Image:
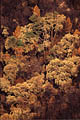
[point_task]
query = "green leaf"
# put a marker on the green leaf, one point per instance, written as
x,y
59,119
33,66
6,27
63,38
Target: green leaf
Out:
x,y
20,43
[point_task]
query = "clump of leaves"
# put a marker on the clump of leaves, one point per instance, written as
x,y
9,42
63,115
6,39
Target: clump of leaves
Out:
x,y
60,72
65,47
10,71
5,31
10,42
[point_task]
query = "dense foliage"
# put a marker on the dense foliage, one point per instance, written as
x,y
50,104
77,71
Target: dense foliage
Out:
x,y
40,68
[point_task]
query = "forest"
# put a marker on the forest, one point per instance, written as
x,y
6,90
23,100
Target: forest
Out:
x,y
40,60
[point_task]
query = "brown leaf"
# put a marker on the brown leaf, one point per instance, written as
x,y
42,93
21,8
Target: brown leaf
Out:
x,y
19,80
3,98
79,50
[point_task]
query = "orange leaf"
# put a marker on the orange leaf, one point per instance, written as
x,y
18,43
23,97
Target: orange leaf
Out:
x,y
77,32
19,51
17,31
7,56
36,10
68,25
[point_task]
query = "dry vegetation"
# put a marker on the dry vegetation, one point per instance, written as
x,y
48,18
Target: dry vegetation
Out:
x,y
40,60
